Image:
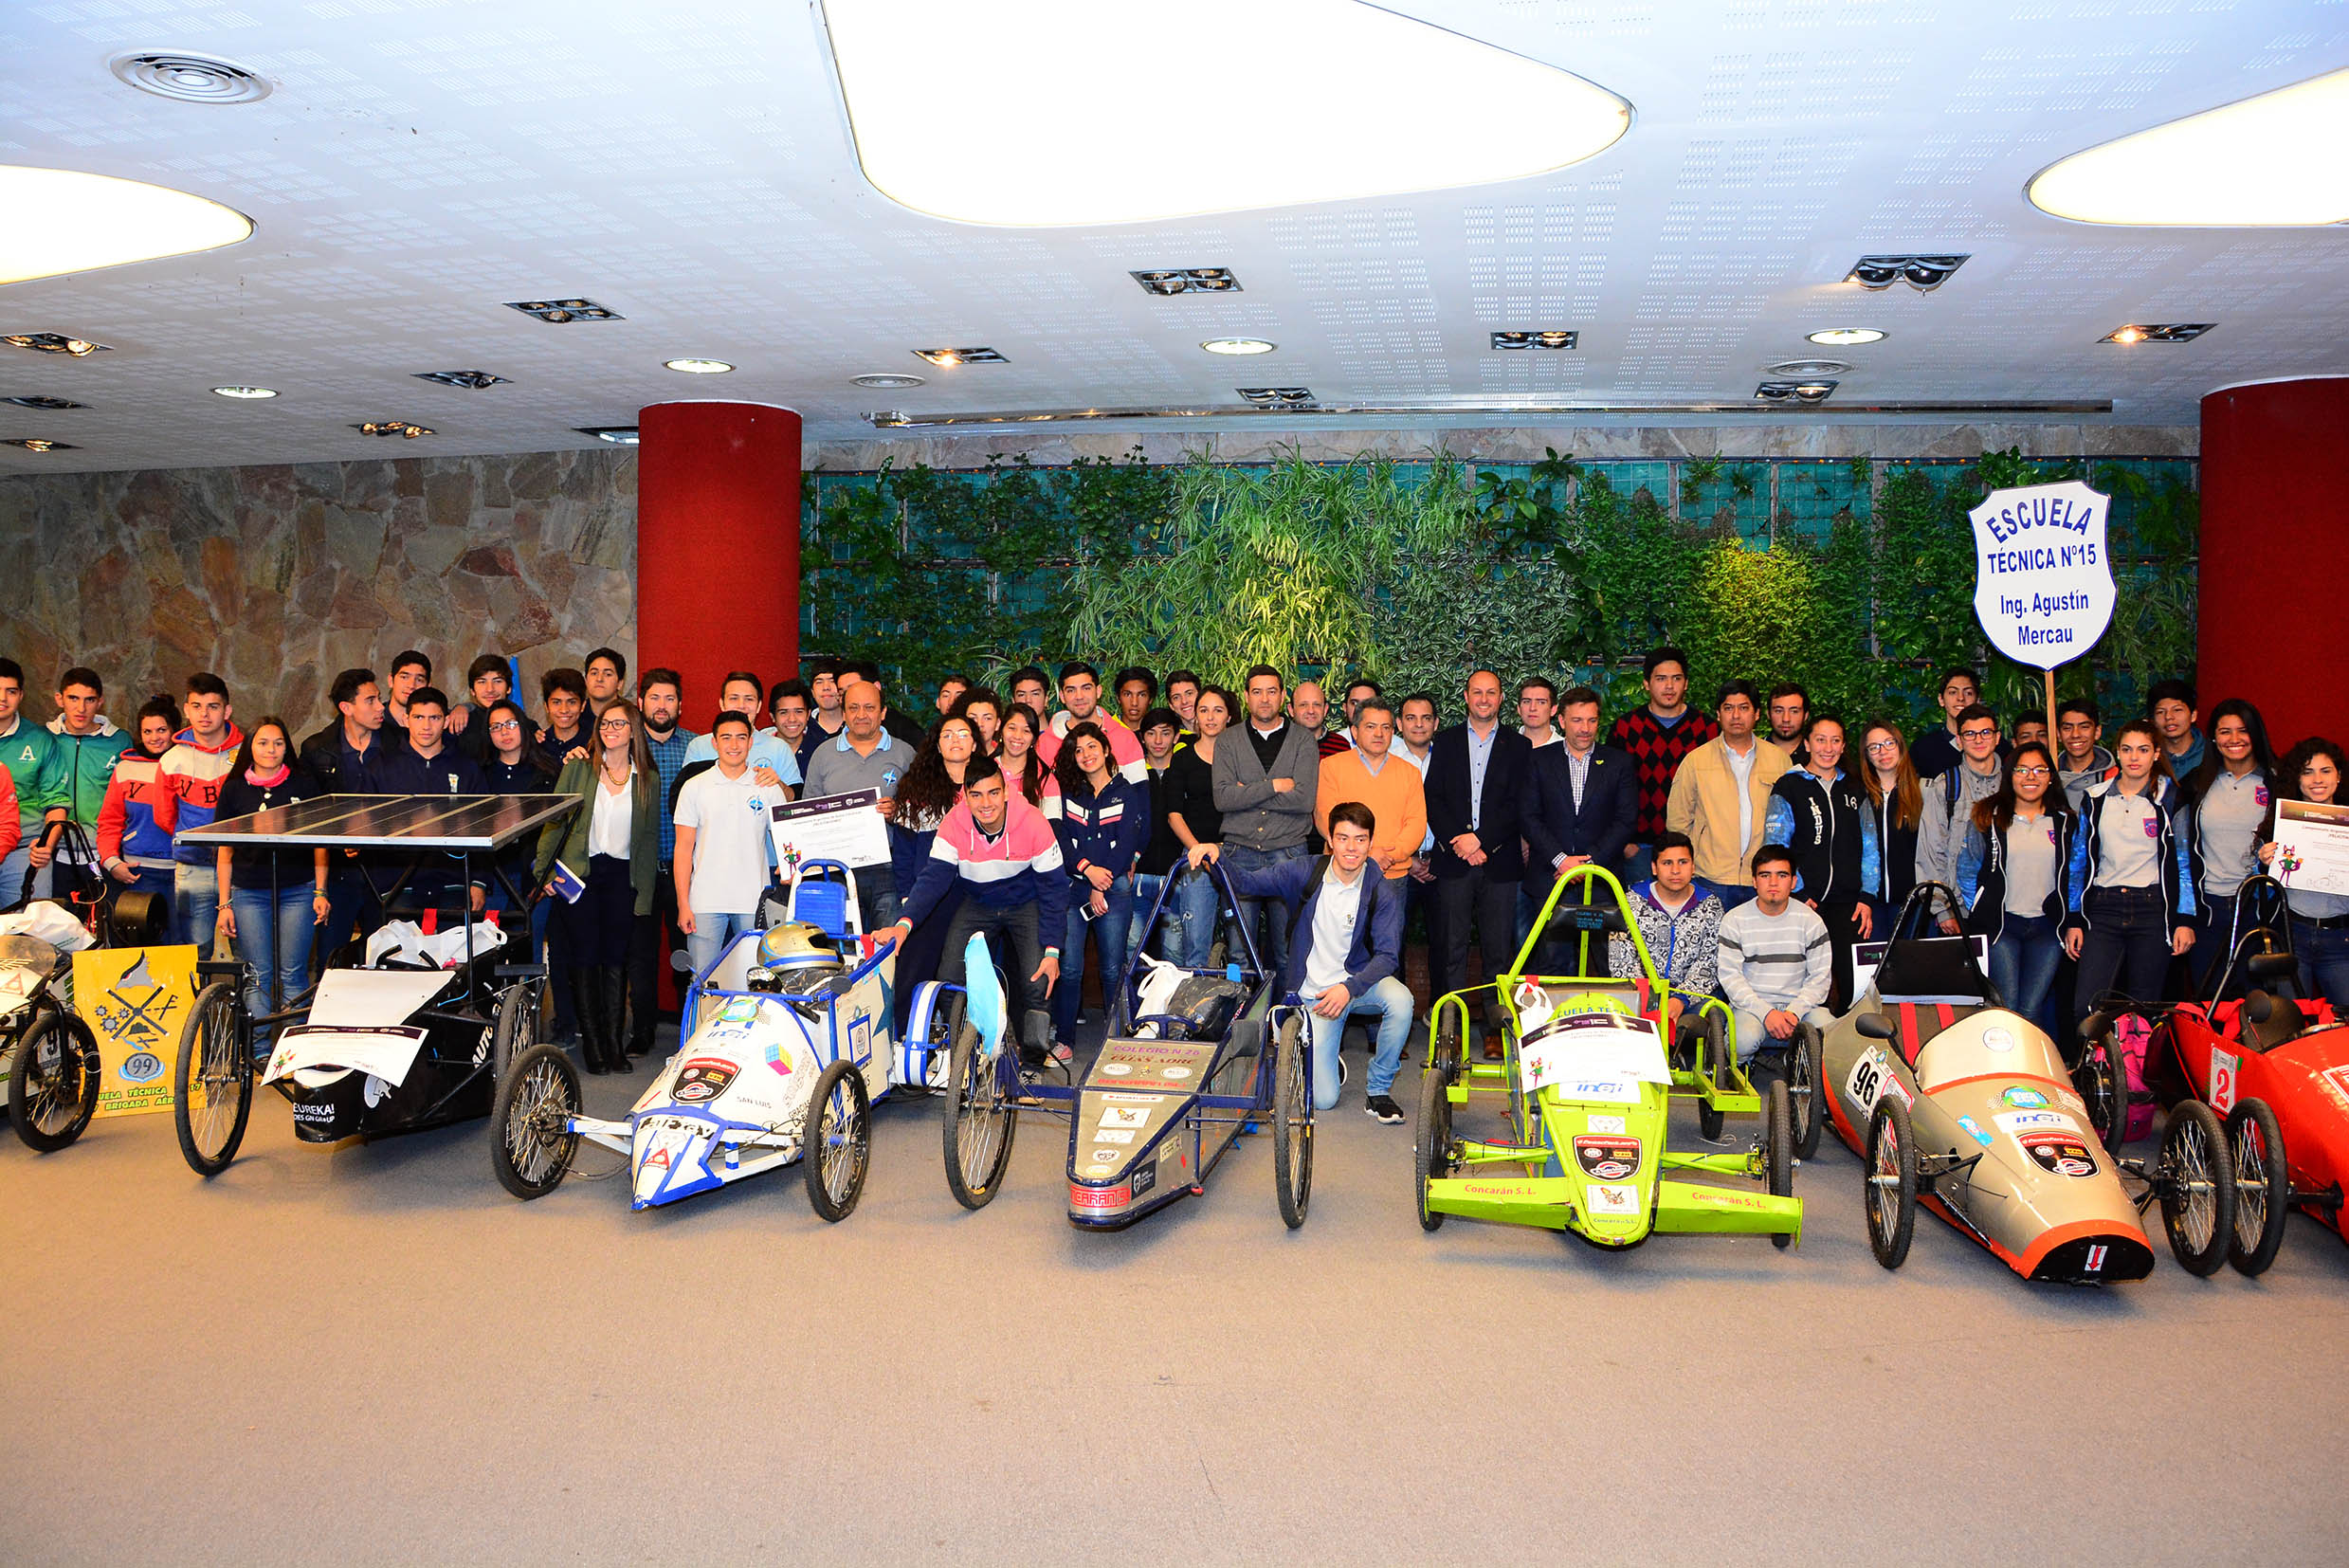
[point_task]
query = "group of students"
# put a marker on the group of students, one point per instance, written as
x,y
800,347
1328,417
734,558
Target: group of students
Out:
x,y
1757,849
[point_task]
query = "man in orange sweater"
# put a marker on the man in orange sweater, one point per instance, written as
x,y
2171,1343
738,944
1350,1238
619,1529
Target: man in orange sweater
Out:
x,y
1388,785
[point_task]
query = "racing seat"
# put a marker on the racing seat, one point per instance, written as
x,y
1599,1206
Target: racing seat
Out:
x,y
1928,984
2268,1021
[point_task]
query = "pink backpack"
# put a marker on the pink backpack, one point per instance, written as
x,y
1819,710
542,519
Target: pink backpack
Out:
x,y
2132,1036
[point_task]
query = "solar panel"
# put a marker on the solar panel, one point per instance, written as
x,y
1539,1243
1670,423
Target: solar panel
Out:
x,y
478,822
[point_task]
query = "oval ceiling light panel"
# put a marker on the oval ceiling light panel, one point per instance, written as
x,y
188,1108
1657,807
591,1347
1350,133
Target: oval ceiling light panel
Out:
x,y
67,221
2256,164
1051,113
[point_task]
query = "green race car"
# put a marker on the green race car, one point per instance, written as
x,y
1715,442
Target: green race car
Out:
x,y
1587,1084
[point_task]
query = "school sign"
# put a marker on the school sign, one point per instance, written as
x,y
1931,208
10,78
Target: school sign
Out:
x,y
2042,585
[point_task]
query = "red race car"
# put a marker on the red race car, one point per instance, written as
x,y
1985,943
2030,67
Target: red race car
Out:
x,y
2277,1069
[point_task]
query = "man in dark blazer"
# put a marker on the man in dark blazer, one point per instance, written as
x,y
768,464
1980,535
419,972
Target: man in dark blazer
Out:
x,y
1582,806
1476,778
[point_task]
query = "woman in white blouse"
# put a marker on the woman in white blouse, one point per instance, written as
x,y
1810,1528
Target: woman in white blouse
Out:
x,y
607,853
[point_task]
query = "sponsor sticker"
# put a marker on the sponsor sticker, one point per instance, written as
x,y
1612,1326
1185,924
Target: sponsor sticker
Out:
x,y
1099,1197
1607,1157
2019,1122
1116,1116
703,1080
1606,1124
2337,1079
1606,1199
1175,1075
2060,1154
1974,1130
1144,1179
1617,1091
1113,1097
140,1066
2025,1100
2096,1258
1995,1038
2225,1065
1116,1069
1113,1135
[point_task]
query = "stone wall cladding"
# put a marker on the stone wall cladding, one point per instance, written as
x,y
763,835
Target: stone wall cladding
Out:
x,y
277,577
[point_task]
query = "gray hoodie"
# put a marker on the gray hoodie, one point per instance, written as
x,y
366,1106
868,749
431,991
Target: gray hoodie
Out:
x,y
1943,826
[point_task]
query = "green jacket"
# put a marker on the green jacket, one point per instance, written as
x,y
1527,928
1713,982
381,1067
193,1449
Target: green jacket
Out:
x,y
567,840
37,764
89,768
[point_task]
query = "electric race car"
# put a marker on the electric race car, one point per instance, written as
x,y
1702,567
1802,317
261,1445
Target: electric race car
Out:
x,y
1587,1090
1957,1104
789,1040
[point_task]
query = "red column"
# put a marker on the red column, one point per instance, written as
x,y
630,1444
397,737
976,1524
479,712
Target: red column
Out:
x,y
716,545
2275,554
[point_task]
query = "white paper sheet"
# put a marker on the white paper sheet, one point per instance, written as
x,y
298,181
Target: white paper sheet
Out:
x,y
371,998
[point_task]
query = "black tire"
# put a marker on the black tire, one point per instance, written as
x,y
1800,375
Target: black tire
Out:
x,y
1779,1151
1889,1181
516,1032
531,1143
1806,1105
1714,1052
216,1058
2195,1178
836,1143
1292,1125
53,1081
2263,1185
980,1123
1444,1049
2103,1083
1431,1152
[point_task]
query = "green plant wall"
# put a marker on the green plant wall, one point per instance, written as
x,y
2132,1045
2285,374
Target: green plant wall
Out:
x,y
1851,576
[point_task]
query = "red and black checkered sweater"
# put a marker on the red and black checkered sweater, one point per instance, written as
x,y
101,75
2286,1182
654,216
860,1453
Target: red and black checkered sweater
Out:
x,y
1656,750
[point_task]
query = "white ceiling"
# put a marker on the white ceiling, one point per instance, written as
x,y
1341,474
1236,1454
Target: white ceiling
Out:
x,y
422,162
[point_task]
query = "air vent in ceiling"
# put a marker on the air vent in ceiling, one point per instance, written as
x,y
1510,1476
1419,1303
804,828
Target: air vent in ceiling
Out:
x,y
1807,370
560,311
1795,391
190,77
1188,280
1276,397
1923,273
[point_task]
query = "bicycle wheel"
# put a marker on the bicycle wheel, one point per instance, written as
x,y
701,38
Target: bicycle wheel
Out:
x,y
979,1124
517,1030
2196,1181
1804,1055
1890,1175
1779,1152
1431,1154
531,1143
2263,1186
1292,1126
838,1145
216,1065
53,1081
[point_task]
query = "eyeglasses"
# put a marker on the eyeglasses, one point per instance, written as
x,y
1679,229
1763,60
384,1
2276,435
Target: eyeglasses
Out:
x,y
2031,772
1883,746
503,724
1977,735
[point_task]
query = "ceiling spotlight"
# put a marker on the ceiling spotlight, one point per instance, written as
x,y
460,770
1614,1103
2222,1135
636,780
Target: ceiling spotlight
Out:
x,y
37,444
559,311
1795,392
47,405
889,381
405,429
698,367
1844,338
190,77
946,358
1555,339
470,380
1276,397
1923,273
619,435
1189,280
243,391
2240,165
52,343
1238,345
2157,332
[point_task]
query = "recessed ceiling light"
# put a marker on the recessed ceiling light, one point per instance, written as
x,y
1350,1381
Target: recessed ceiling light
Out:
x,y
1809,390
1238,345
2254,164
946,358
1922,273
698,367
561,311
1553,338
886,380
470,380
190,77
619,435
1188,280
243,391
47,405
407,430
55,342
1424,107
1844,338
38,443
2157,332
1812,370
67,221
1276,397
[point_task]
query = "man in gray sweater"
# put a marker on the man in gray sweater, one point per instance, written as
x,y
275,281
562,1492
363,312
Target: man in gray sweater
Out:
x,y
1775,959
1264,786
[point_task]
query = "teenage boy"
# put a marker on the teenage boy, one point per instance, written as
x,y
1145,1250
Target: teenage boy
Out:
x,y
2080,760
1136,690
607,671
486,682
1681,925
949,691
565,732
1720,795
200,757
1656,736
824,685
1951,796
722,844
660,696
1790,717
1159,727
36,767
1345,948
1182,695
2172,714
346,756
1775,958
1935,749
1477,779
1032,689
775,763
1005,857
1265,786
792,707
1081,696
1536,711
92,746
429,765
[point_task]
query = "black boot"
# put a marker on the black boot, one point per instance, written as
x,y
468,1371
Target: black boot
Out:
x,y
586,1002
613,982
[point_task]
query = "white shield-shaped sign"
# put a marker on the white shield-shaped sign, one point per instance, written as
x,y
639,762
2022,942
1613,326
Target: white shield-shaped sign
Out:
x,y
2042,579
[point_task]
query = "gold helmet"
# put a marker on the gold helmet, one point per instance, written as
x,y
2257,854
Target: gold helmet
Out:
x,y
797,947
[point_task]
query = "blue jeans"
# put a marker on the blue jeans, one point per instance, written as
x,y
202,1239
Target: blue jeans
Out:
x,y
2324,963
195,906
712,933
1730,895
1107,932
1754,1034
1639,865
15,870
1146,887
2216,940
2127,947
1271,932
1193,937
1390,1002
275,945
2022,963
